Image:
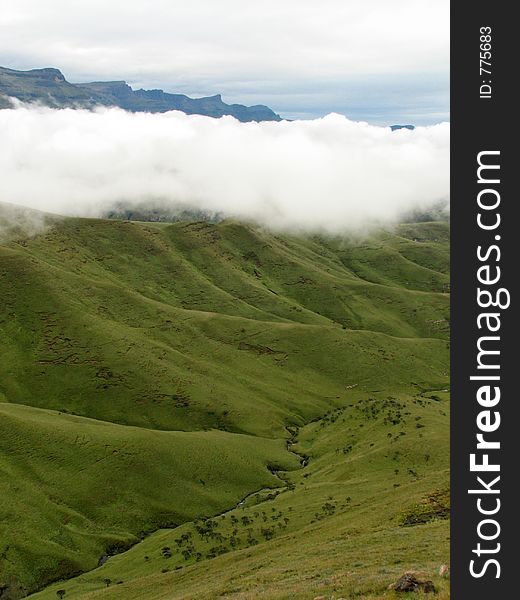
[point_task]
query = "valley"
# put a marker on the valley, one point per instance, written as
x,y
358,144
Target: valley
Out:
x,y
205,410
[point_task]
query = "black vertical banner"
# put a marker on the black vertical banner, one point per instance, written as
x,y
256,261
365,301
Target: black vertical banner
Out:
x,y
485,429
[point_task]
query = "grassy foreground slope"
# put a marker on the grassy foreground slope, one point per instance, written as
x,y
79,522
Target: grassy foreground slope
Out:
x,y
366,508
152,374
74,487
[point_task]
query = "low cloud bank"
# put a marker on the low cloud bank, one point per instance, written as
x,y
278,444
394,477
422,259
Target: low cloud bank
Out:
x,y
329,174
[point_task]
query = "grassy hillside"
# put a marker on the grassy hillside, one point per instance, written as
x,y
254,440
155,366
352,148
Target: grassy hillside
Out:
x,y
75,486
152,375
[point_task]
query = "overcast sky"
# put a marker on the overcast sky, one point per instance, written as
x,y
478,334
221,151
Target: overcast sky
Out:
x,y
383,61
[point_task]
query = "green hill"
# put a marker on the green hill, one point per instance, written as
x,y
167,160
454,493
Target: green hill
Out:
x,y
153,375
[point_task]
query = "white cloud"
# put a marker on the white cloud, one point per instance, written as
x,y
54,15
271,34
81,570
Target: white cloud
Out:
x,y
327,174
203,46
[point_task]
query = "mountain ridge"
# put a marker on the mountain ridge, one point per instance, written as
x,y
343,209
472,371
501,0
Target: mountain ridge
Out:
x,y
50,87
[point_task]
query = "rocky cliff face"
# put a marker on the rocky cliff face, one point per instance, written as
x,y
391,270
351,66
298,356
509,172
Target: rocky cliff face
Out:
x,y
49,87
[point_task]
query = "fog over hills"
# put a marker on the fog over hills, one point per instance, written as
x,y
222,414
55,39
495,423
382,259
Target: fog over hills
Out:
x,y
225,300
328,174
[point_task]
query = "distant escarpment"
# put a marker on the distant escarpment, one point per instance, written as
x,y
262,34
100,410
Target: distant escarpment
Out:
x,y
50,88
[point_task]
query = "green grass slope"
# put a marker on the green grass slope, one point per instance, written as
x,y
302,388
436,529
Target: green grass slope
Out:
x,y
76,486
366,508
152,375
